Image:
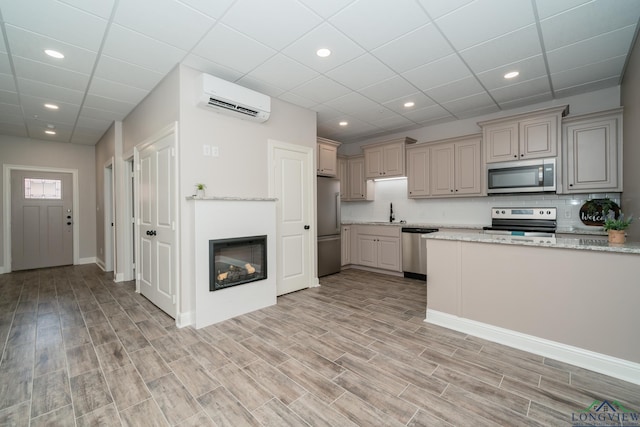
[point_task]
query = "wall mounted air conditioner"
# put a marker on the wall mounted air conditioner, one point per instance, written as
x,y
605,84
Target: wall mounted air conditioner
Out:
x,y
234,100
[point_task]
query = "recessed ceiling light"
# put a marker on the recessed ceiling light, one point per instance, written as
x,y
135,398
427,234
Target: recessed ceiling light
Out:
x,y
409,104
323,53
50,132
54,53
51,106
343,123
511,74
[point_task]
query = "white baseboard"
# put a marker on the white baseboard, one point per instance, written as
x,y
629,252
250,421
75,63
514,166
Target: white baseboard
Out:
x,y
602,363
2,270
315,283
185,319
88,260
377,270
101,264
119,277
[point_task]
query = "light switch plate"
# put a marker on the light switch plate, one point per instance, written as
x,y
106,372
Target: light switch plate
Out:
x,y
206,150
215,152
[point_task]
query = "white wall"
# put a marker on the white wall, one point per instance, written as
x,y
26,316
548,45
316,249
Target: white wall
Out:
x,y
105,151
32,152
631,178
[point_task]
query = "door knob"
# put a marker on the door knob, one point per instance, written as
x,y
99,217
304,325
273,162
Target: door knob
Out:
x,y
69,223
306,227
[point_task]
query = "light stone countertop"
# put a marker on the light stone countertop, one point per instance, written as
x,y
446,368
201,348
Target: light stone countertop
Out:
x,y
414,224
600,245
232,199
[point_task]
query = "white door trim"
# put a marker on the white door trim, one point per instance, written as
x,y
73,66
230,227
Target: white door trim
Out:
x,y
167,130
109,216
272,145
6,210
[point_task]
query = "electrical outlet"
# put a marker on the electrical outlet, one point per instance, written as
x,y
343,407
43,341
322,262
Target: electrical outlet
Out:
x,y
215,152
206,150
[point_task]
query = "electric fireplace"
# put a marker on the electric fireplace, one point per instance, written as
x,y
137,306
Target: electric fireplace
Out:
x,y
236,261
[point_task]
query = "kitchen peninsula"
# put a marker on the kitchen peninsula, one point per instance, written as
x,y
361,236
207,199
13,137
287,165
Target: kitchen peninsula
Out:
x,y
573,300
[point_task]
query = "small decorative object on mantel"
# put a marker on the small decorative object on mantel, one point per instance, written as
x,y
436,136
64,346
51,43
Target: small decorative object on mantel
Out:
x,y
594,211
200,190
615,226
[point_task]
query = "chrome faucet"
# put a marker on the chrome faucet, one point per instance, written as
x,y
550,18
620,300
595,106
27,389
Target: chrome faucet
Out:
x,y
392,217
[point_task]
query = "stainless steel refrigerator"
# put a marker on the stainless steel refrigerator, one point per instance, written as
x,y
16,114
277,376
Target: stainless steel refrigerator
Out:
x,y
328,226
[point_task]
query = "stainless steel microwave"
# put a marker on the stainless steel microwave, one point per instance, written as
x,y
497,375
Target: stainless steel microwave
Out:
x,y
522,176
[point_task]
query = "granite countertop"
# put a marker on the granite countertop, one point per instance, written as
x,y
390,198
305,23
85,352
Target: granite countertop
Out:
x,y
600,245
414,224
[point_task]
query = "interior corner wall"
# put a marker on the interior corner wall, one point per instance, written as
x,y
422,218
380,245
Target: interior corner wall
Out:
x,y
105,151
241,169
37,153
631,133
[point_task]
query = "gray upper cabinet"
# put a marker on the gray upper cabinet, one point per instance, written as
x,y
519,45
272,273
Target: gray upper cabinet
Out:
x,y
327,157
386,159
524,136
592,152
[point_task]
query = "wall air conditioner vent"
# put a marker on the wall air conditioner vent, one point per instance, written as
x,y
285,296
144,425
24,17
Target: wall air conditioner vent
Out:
x,y
231,99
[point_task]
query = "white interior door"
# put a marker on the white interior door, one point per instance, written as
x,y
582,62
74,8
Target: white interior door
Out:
x,y
41,219
292,186
157,273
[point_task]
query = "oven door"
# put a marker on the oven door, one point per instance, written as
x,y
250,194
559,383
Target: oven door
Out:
x,y
526,176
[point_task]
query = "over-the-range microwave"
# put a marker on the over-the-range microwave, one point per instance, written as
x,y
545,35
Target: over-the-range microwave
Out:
x,y
521,176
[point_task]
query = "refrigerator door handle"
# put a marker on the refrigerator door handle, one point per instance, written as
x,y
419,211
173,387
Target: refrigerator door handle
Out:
x,y
337,212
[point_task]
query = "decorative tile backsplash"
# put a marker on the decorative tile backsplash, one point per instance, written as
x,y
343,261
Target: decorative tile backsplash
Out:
x,y
460,211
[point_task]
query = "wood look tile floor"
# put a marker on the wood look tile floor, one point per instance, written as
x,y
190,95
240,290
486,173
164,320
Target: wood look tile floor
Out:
x,y
78,349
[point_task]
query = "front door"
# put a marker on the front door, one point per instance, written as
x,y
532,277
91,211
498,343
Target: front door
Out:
x,y
157,195
41,219
293,188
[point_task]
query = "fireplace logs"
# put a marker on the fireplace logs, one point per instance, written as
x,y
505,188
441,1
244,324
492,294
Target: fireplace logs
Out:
x,y
236,274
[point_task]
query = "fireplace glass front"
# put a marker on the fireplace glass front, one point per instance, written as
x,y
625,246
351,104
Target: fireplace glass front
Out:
x,y
237,261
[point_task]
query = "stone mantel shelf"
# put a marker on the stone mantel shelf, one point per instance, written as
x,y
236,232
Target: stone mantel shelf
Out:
x,y
232,199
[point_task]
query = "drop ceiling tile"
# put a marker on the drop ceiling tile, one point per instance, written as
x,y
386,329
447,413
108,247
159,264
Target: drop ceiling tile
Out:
x,y
430,113
529,69
260,86
361,72
113,90
88,124
36,129
436,9
100,115
328,114
326,8
535,99
592,50
520,44
342,48
7,83
107,104
372,24
297,100
276,23
213,9
522,89
13,129
138,49
477,112
569,27
372,115
29,45
126,73
455,90
352,102
222,45
588,87
34,106
10,111
437,73
395,121
33,70
390,89
201,64
3,48
610,68
52,92
283,72
5,66
164,20
57,20
8,97
547,8
473,102
101,8
321,89
484,20
418,98
426,45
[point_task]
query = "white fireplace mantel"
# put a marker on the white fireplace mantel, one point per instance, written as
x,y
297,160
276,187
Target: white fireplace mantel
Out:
x,y
224,218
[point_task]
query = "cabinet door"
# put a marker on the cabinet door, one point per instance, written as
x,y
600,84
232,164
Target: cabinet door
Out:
x,y
343,176
389,253
442,170
393,160
327,160
501,142
539,137
592,155
418,172
357,187
346,245
367,250
373,162
468,173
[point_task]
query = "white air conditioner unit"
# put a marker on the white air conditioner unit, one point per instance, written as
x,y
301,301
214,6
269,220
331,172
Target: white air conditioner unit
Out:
x,y
234,100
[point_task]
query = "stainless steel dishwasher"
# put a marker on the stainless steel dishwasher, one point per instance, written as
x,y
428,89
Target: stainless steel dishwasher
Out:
x,y
414,252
